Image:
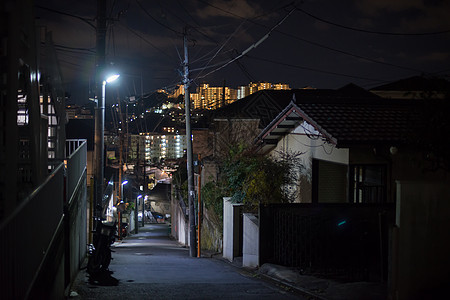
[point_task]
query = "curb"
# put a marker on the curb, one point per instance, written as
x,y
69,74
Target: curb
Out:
x,y
296,289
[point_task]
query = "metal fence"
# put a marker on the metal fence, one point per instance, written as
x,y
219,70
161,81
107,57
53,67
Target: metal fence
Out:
x,y
47,226
28,234
76,151
75,208
341,241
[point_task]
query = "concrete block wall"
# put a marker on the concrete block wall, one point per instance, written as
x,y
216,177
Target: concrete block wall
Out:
x,y
250,251
232,229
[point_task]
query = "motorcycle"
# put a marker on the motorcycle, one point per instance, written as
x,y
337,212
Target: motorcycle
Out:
x,y
100,252
124,229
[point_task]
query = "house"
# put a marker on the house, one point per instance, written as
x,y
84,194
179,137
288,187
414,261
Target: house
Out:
x,y
363,158
365,140
415,87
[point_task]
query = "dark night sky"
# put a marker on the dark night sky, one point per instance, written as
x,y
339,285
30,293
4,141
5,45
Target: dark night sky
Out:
x,y
323,44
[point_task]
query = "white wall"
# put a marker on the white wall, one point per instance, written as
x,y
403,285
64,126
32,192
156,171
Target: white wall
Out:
x,y
304,139
250,251
231,229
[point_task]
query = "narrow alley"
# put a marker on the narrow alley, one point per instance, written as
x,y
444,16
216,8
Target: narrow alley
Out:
x,y
149,265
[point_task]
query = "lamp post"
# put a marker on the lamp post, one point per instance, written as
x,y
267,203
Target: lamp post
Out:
x,y
121,204
136,214
121,194
99,145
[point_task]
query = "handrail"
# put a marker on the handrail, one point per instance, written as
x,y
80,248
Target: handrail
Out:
x,y
25,201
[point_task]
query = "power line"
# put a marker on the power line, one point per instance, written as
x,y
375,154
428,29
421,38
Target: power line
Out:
x,y
87,21
221,47
370,31
249,48
311,69
72,49
316,44
154,19
145,40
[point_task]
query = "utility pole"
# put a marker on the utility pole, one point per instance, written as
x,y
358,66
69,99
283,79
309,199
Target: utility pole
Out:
x,y
100,107
199,207
145,163
190,171
136,207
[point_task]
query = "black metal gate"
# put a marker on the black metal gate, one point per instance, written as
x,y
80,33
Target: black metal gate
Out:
x,y
342,241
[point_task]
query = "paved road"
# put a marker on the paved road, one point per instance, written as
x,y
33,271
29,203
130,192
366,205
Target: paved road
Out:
x,y
150,265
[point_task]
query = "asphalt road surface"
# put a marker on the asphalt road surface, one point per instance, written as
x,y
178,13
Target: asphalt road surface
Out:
x,y
150,265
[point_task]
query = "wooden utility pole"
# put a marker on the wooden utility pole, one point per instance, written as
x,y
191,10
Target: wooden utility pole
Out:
x,y
199,206
190,171
100,108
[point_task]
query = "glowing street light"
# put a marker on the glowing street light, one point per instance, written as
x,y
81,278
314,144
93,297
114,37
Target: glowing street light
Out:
x,y
112,78
121,194
99,144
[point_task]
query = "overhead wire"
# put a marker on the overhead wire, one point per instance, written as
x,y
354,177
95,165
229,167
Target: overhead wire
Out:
x,y
221,47
243,53
156,20
85,20
315,43
312,69
145,40
371,31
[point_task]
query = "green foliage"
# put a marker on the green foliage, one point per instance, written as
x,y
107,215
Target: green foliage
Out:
x,y
129,207
212,196
252,179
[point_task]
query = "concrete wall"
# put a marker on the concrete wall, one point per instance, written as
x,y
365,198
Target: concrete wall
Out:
x,y
211,231
421,243
300,141
250,248
232,229
179,222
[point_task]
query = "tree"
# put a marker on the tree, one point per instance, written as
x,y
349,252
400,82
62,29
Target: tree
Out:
x,y
253,179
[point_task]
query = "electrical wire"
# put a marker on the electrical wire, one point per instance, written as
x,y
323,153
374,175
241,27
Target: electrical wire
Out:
x,y
251,47
73,49
316,44
154,19
145,40
221,47
370,31
313,69
87,21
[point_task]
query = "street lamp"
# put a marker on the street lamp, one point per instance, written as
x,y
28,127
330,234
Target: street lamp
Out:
x,y
121,194
136,214
99,145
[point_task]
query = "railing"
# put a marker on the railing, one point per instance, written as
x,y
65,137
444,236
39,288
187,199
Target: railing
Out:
x,y
33,236
28,234
76,151
75,207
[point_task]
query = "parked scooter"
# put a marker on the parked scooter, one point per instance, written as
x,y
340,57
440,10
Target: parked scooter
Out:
x,y
100,252
124,229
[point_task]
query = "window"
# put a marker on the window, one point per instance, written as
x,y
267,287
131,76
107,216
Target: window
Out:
x,y
329,183
368,183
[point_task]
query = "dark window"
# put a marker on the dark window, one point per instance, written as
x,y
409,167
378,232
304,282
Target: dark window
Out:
x,y
367,183
329,182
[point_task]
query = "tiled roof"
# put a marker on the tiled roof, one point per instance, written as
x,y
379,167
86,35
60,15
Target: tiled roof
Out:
x,y
365,123
416,83
346,122
267,104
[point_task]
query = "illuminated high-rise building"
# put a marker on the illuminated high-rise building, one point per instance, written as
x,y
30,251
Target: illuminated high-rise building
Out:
x,y
245,90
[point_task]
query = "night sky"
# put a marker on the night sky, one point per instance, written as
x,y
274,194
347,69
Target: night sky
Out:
x,y
322,44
